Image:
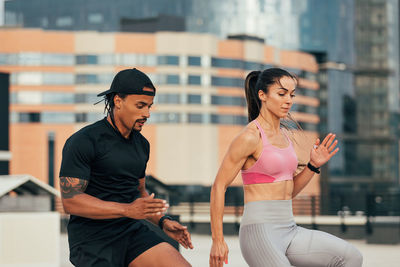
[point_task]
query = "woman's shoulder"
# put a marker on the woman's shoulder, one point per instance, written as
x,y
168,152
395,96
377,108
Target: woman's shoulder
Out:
x,y
249,135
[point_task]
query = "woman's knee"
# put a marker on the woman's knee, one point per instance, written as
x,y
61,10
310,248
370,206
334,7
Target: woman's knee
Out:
x,y
353,257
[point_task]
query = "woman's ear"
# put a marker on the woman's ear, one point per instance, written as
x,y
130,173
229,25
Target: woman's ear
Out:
x,y
262,95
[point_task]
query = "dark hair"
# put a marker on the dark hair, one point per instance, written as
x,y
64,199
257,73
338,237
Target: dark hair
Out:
x,y
262,80
109,104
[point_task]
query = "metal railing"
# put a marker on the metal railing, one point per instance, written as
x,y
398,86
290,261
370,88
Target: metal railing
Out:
x,y
308,206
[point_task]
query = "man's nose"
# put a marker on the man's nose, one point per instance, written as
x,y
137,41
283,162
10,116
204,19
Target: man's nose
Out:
x,y
147,113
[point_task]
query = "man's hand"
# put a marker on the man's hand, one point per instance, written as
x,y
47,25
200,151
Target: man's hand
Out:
x,y
178,232
146,207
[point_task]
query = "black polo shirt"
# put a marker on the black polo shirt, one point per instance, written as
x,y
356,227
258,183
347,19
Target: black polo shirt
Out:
x,y
113,166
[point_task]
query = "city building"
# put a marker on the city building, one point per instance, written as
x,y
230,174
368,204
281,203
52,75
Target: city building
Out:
x,y
5,154
356,44
199,106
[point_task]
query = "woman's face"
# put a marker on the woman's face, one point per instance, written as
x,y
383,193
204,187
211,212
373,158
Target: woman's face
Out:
x,y
279,98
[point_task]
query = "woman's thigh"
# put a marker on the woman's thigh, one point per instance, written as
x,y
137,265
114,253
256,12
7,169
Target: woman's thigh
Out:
x,y
262,247
316,248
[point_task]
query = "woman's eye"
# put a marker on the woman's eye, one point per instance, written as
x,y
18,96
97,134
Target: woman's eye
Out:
x,y
293,96
282,94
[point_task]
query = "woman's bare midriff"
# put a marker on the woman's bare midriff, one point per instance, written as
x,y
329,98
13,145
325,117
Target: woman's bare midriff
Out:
x,y
268,191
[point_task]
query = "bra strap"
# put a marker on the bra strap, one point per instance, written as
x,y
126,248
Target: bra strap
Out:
x,y
263,137
287,137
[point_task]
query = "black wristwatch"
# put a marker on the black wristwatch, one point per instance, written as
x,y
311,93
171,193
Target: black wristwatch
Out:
x,y
313,168
160,222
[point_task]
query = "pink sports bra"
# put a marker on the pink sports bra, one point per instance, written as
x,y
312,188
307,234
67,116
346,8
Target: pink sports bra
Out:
x,y
274,165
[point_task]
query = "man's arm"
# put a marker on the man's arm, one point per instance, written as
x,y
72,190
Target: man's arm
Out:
x,y
143,193
76,202
171,228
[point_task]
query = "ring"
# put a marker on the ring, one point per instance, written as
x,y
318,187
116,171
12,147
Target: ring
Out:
x,y
315,146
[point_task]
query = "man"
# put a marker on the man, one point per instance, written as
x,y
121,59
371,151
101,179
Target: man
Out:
x,y
102,181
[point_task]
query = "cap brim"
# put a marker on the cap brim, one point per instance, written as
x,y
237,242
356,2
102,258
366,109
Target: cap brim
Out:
x,y
105,92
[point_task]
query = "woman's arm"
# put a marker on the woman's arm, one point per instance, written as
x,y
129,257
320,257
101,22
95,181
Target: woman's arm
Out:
x,y
320,154
241,148
301,180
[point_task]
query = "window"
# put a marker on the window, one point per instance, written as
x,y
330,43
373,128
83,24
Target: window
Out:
x,y
136,60
95,18
168,60
5,59
26,78
165,118
93,116
227,81
58,59
86,59
227,63
64,21
248,65
13,98
106,59
194,61
57,78
57,98
81,117
86,79
29,97
57,117
86,98
172,79
228,119
168,98
29,59
194,80
195,118
228,101
29,117
194,99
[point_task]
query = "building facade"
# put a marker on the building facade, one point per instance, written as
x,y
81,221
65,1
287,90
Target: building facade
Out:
x,y
199,107
5,154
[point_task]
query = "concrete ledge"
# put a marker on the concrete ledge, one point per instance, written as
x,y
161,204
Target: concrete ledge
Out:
x,y
29,239
384,230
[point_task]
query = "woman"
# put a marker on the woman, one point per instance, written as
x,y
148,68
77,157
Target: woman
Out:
x,y
265,155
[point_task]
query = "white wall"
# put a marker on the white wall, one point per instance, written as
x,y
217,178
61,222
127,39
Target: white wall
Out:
x,y
29,239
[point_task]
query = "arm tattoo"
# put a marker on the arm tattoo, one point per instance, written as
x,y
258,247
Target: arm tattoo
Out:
x,y
70,186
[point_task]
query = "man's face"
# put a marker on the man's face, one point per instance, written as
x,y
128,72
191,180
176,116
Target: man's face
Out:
x,y
133,110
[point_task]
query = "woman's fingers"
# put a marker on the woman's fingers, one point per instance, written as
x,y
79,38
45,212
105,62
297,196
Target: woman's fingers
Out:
x,y
332,147
326,140
330,140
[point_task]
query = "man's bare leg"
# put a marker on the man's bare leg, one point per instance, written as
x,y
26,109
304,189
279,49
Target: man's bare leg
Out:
x,y
161,255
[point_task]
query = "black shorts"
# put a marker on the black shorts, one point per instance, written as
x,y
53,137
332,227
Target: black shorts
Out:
x,y
117,251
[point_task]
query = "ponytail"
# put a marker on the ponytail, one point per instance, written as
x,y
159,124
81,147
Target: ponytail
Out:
x,y
253,101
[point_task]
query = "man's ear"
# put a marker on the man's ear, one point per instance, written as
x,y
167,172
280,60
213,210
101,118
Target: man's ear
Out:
x,y
117,101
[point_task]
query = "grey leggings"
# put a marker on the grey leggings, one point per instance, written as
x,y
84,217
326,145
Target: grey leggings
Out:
x,y
270,237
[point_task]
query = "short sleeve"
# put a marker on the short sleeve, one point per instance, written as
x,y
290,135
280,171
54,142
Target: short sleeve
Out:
x,y
146,145
77,155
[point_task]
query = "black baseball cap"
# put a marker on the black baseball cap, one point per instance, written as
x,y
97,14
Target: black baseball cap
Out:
x,y
131,82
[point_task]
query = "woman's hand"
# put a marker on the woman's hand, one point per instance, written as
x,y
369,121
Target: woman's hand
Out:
x,y
322,152
219,253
